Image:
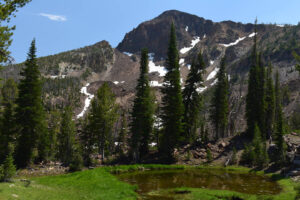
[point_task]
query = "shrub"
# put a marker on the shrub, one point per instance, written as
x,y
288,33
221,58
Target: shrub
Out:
x,y
209,155
76,163
7,169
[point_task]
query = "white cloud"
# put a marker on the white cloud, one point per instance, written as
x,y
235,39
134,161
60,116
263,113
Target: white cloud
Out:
x,y
59,18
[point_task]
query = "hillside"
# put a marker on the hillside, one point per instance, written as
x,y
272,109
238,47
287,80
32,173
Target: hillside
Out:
x,y
68,72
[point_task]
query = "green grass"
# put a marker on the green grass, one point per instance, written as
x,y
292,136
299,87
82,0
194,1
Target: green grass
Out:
x,y
91,184
100,184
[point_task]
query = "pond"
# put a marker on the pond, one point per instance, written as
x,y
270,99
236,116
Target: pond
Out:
x,y
219,179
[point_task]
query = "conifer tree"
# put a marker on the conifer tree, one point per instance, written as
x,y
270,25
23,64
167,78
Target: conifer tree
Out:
x,y
253,87
173,109
261,105
192,99
102,117
66,137
279,125
122,135
8,169
270,103
255,100
30,115
220,106
277,97
8,8
259,148
142,112
54,120
87,141
8,124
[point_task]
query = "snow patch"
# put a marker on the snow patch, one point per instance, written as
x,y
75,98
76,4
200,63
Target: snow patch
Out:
x,y
252,35
195,41
87,101
211,62
280,25
189,67
60,76
181,61
155,84
212,74
204,36
153,144
116,82
157,68
128,54
201,89
214,83
186,28
157,122
234,43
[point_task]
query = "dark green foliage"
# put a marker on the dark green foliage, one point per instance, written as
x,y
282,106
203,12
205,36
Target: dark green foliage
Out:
x,y
9,91
61,92
7,169
209,157
122,136
173,109
8,8
30,115
101,120
233,160
277,97
260,117
192,99
255,100
220,105
270,103
252,96
87,139
66,138
8,124
203,134
54,120
279,132
142,113
297,57
76,162
255,154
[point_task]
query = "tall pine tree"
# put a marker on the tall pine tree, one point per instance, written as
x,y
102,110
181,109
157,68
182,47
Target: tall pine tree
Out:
x,y
142,112
279,125
30,114
220,106
192,99
8,124
102,118
270,103
261,106
255,100
253,87
66,138
122,136
173,109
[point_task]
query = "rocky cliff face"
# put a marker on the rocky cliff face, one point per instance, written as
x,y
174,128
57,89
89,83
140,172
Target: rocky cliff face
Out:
x,y
100,62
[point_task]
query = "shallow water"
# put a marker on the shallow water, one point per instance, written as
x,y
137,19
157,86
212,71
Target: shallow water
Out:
x,y
149,181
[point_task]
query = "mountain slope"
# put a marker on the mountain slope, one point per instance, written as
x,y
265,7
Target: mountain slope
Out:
x,y
66,73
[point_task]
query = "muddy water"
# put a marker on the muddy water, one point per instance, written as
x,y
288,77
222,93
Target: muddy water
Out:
x,y
149,181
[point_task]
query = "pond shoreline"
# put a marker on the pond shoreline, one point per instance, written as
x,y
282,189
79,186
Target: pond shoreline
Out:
x,y
101,183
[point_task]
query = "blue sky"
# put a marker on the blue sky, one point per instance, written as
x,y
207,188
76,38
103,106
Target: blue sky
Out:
x,y
60,25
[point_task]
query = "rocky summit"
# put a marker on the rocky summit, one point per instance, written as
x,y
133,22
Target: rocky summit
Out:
x,y
74,76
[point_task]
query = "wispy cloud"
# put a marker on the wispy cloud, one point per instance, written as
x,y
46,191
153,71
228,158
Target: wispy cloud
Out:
x,y
52,17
